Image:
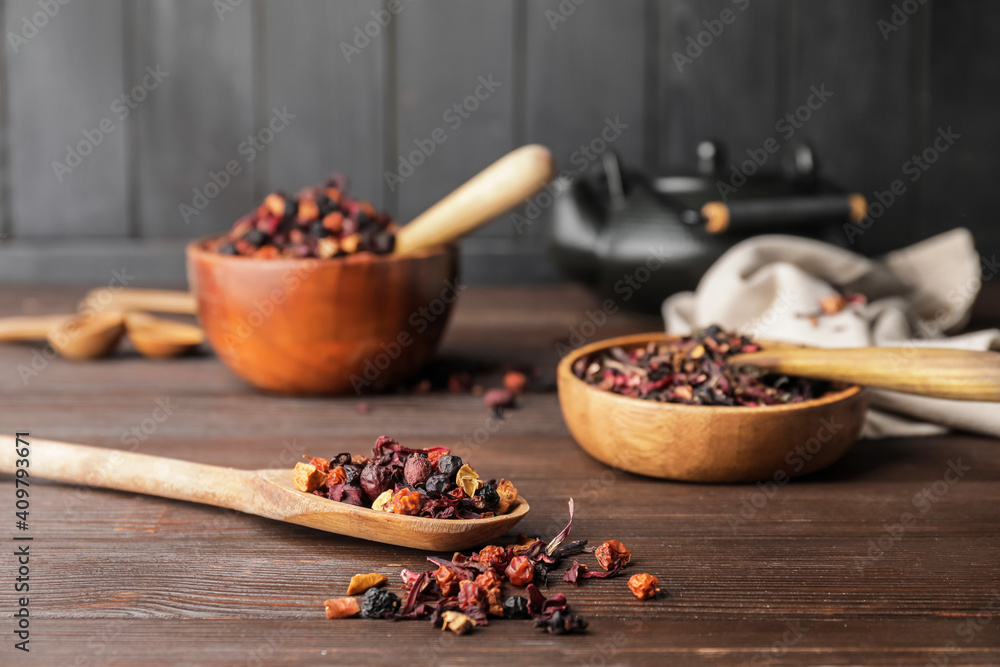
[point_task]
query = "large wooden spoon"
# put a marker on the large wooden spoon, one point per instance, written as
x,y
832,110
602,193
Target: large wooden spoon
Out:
x,y
88,336
964,375
159,338
495,190
134,298
266,493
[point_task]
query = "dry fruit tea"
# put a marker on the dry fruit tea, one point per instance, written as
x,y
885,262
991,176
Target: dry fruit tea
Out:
x,y
418,482
320,221
693,370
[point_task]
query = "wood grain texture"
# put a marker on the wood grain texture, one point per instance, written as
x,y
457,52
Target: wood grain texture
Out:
x,y
339,99
445,52
195,121
79,55
123,578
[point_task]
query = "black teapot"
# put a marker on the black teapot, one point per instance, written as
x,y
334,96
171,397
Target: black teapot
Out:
x,y
638,239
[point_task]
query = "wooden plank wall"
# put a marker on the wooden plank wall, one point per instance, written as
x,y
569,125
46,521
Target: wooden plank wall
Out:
x,y
563,70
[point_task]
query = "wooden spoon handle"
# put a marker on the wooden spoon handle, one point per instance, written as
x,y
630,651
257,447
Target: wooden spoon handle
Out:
x,y
495,190
126,471
964,375
156,300
30,327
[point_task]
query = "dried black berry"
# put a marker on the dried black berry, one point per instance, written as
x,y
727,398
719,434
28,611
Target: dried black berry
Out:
x,y
515,607
318,230
375,480
340,460
449,465
490,495
561,623
378,603
255,237
437,484
227,249
352,474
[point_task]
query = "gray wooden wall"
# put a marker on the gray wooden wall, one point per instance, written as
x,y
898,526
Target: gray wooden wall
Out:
x,y
561,75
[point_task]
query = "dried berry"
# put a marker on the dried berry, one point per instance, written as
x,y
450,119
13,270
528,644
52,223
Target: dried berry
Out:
x,y
561,623
342,608
362,582
449,466
489,495
515,607
437,483
644,586
375,480
498,398
341,459
447,580
378,603
352,474
417,470
494,557
613,554
515,382
471,594
336,476
489,580
405,501
693,370
345,493
520,571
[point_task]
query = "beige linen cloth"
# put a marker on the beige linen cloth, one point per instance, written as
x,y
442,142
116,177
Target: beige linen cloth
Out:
x,y
768,286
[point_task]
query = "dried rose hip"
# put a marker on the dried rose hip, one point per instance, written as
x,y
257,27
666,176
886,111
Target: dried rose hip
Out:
x,y
447,580
417,470
520,571
405,501
515,382
644,586
613,554
493,556
471,594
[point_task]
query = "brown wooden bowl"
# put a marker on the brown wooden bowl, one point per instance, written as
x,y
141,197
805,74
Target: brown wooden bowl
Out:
x,y
323,326
706,443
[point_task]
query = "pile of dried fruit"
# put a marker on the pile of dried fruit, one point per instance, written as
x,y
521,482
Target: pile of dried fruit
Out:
x,y
418,482
318,222
466,591
693,370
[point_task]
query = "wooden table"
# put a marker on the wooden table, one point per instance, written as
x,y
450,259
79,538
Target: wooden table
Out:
x,y
751,575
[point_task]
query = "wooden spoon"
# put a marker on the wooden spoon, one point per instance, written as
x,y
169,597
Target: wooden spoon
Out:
x,y
266,493
500,187
30,327
159,338
88,336
130,298
964,375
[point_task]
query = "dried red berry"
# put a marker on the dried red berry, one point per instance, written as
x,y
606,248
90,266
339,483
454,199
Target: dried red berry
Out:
x,y
611,553
471,594
447,580
520,571
417,470
644,586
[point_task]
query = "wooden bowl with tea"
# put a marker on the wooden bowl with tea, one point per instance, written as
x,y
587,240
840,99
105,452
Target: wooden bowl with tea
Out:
x,y
798,409
358,309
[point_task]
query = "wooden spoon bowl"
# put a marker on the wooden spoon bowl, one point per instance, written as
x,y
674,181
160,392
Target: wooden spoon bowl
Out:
x,y
89,336
319,326
706,443
266,493
159,338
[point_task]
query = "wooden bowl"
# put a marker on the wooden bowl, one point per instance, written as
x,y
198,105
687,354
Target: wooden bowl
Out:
x,y
706,443
323,326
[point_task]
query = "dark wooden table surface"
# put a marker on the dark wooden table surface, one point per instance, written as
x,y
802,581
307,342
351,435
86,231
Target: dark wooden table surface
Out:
x,y
749,577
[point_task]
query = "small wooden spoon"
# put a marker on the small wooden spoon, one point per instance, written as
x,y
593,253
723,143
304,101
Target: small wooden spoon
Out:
x,y
964,375
131,298
159,338
88,336
30,327
266,493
